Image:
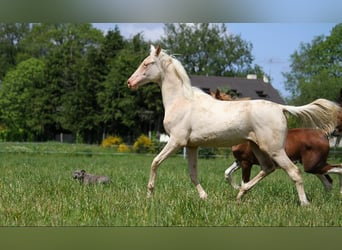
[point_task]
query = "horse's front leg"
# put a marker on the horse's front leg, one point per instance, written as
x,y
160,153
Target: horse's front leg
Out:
x,y
169,149
192,162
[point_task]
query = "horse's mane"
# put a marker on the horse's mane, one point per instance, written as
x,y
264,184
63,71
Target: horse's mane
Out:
x,y
183,76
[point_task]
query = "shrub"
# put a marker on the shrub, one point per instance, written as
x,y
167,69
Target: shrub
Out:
x,y
14,134
111,141
123,148
143,145
206,153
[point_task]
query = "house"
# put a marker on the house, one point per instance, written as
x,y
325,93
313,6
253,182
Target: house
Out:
x,y
250,86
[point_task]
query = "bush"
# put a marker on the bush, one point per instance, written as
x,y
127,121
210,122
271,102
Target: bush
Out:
x,y
143,145
206,153
16,134
111,141
123,148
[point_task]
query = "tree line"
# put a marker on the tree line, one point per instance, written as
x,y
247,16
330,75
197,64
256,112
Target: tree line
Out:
x,y
316,69
71,78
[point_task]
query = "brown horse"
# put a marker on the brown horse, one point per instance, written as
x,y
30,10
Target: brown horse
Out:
x,y
226,97
308,146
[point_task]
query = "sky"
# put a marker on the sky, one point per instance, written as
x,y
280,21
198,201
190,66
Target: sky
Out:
x,y
273,43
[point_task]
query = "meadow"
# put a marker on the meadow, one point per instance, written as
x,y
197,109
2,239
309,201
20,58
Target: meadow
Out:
x,y
37,189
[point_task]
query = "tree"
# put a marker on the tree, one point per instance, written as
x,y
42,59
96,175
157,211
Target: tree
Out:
x,y
121,106
11,35
112,44
70,78
207,49
75,77
24,103
316,69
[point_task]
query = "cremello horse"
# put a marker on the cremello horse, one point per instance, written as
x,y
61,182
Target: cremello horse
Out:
x,y
193,118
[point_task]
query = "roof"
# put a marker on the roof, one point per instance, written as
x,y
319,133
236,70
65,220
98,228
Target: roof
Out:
x,y
243,87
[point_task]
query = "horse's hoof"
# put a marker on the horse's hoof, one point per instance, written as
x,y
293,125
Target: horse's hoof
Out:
x,y
238,201
149,194
305,203
204,196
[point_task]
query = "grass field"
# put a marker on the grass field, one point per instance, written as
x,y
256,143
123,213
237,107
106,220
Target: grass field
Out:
x,y
37,189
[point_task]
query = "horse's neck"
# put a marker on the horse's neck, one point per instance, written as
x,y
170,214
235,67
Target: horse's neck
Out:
x,y
172,90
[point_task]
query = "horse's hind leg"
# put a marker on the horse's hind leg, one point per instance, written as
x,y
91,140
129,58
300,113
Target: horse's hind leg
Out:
x,y
170,148
336,169
326,181
285,163
247,186
192,162
267,167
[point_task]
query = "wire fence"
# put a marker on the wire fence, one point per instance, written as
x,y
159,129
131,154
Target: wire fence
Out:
x,y
67,149
96,150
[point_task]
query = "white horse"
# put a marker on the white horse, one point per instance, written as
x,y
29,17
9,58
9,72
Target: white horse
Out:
x,y
193,118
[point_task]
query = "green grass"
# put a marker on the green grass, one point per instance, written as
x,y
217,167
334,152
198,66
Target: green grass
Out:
x,y
37,189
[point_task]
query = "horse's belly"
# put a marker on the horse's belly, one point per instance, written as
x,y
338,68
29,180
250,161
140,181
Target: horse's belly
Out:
x,y
216,139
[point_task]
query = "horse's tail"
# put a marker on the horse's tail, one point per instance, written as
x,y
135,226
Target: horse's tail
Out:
x,y
321,113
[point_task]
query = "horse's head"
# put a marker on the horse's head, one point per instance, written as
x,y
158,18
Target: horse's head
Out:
x,y
338,128
148,71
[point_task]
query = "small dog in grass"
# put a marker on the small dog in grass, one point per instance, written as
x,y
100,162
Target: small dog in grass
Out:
x,y
86,178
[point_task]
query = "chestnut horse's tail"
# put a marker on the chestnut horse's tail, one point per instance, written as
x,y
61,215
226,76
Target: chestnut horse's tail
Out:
x,y
321,114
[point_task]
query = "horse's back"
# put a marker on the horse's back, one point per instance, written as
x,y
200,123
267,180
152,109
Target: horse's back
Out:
x,y
219,123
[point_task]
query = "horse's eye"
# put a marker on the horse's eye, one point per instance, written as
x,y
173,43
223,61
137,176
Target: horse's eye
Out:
x,y
147,64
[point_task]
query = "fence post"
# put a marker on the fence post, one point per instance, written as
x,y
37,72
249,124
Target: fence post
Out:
x,y
184,152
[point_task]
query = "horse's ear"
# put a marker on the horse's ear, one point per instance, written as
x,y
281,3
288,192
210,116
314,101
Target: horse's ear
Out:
x,y
152,49
158,50
217,94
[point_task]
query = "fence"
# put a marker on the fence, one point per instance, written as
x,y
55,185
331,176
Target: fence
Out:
x,y
93,150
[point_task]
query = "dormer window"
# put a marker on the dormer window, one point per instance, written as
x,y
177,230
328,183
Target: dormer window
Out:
x,y
261,93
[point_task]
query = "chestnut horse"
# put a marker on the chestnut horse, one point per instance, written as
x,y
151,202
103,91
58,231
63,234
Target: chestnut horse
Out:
x,y
308,146
226,97
193,118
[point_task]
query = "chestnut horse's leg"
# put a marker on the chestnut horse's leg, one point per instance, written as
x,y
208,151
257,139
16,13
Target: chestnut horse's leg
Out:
x,y
170,148
246,170
247,186
229,172
336,169
267,167
192,162
325,181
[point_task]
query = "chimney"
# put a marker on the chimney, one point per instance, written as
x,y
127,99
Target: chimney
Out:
x,y
252,76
